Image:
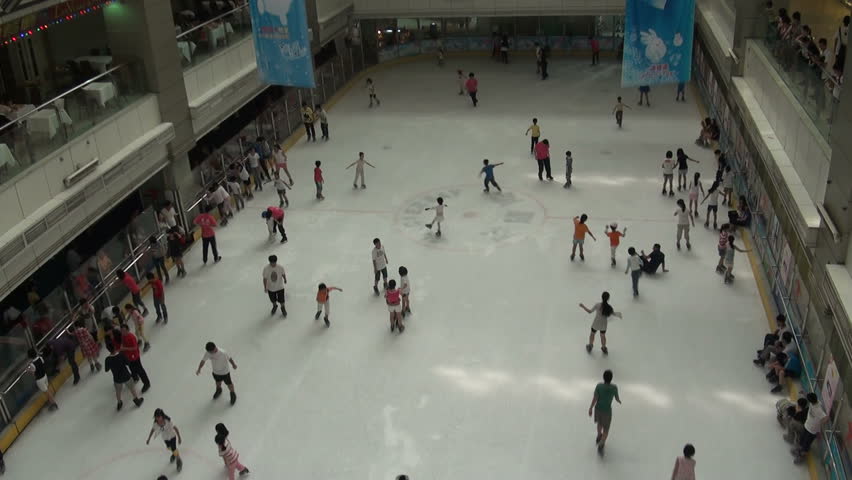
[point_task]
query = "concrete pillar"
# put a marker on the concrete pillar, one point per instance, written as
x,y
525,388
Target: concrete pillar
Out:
x,y
144,31
750,21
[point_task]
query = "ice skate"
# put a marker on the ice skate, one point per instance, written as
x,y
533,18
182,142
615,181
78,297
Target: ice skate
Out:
x,y
316,317
589,348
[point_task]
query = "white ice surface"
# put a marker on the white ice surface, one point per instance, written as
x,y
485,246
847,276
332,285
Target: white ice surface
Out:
x,y
490,379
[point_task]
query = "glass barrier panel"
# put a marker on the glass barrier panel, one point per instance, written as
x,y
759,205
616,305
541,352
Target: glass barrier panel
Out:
x,y
48,313
19,394
200,41
30,133
13,349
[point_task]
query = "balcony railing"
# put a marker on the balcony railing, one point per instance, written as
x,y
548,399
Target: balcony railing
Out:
x,y
30,133
202,41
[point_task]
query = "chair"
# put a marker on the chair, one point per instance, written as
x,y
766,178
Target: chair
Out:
x,y
64,118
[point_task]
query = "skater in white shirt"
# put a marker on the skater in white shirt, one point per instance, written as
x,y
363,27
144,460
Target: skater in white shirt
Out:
x,y
359,170
439,216
380,265
170,434
405,290
220,361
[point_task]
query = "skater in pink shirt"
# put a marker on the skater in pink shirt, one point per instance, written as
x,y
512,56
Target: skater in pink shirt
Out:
x,y
472,86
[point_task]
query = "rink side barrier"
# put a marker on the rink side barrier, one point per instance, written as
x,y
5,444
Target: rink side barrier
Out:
x,y
762,283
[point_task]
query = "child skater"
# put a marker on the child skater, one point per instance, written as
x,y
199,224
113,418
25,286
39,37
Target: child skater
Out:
x,y
439,215
668,173
488,170
359,170
722,247
170,434
138,324
318,180
460,79
394,301
324,302
602,311
281,187
683,168
536,133
159,294
229,455
569,169
371,89
684,467
618,110
694,190
580,231
684,218
727,185
614,238
236,192
712,205
729,259
405,289
88,346
280,157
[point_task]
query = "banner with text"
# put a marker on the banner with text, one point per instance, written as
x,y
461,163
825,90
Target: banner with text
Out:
x,y
657,42
282,42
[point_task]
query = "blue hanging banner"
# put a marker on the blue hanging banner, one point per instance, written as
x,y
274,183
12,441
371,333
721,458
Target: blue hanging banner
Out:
x,y
282,42
657,42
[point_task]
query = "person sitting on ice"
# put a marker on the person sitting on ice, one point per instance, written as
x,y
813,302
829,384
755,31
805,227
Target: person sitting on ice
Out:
x,y
653,261
784,366
741,217
771,340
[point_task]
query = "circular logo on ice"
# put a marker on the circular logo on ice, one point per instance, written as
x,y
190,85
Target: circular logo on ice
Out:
x,y
473,220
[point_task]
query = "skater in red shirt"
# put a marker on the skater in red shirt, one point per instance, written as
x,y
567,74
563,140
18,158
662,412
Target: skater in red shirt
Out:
x,y
130,350
131,285
472,86
318,180
542,156
208,235
159,297
275,221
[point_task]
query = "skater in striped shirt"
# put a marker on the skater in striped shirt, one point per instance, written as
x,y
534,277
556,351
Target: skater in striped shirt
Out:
x,y
229,455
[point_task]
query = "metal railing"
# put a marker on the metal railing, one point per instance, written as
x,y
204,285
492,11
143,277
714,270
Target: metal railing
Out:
x,y
225,27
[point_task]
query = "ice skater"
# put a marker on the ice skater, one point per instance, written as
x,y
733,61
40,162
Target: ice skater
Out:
x,y
634,268
133,287
129,345
280,157
729,258
308,118
359,170
39,371
681,92
158,257
472,86
322,116
618,111
371,90
488,171
380,266
219,361
405,289
644,92
88,346
228,453
175,242
236,192
602,310
116,363
722,247
601,407
569,169
169,432
318,180
461,81
281,188
712,204
615,237
159,293
684,219
138,320
683,168
394,301
324,302
439,215
684,467
274,281
274,217
542,157
695,189
536,133
727,185
208,235
580,231
668,173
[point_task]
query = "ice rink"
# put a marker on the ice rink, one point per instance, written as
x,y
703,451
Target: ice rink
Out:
x,y
490,379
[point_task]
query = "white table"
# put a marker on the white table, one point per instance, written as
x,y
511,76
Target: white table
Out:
x,y
218,32
186,50
44,122
6,157
101,92
98,62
